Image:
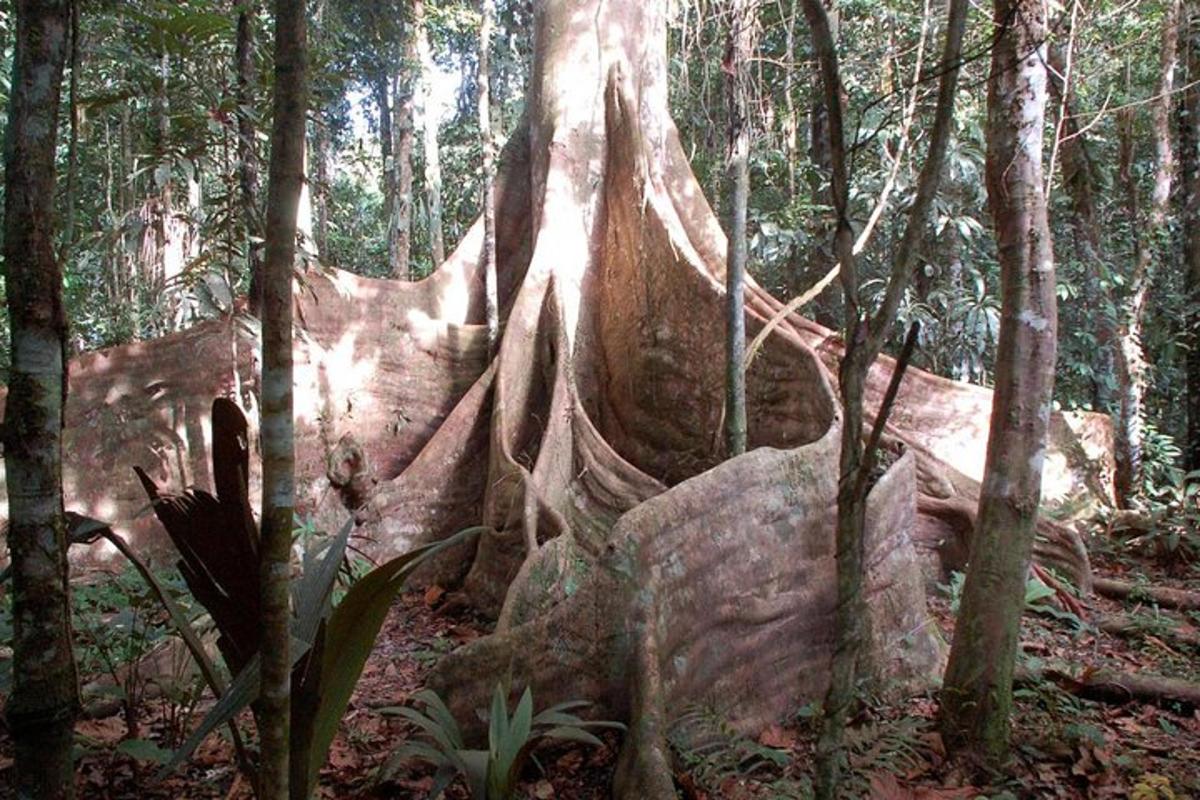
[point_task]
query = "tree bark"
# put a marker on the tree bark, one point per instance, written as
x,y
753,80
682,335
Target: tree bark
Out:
x,y
1189,145
42,708
977,694
1130,356
400,230
381,87
487,10
740,49
73,136
247,151
433,161
278,494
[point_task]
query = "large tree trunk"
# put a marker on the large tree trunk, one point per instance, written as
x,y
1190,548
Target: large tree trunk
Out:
x,y
44,701
286,183
977,695
627,562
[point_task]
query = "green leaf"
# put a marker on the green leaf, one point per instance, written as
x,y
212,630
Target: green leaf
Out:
x,y
313,589
350,637
498,724
441,715
435,731
143,750
517,735
572,734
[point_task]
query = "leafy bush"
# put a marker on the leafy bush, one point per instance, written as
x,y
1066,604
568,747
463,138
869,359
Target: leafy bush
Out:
x,y
490,774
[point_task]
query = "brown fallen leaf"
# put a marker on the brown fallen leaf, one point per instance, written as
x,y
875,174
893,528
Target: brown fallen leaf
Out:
x,y
778,737
433,594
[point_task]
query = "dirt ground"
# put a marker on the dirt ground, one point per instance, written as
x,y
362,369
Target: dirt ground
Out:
x,y
1065,747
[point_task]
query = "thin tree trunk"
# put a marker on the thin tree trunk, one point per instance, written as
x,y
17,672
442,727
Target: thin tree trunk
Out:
x,y
322,157
977,694
73,140
789,124
864,335
740,49
1189,145
492,303
401,235
433,160
1078,180
247,152
278,493
819,260
322,150
382,89
44,702
1130,355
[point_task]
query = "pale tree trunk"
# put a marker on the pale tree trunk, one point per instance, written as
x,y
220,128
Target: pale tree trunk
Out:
x,y
44,701
742,25
487,10
433,160
400,230
1189,145
1130,356
321,185
865,333
285,185
976,700
1078,180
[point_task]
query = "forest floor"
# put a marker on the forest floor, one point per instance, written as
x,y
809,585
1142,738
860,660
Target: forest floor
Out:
x,y
1065,747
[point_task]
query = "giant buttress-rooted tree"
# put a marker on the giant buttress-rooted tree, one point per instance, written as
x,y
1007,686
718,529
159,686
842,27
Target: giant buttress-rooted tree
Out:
x,y
626,563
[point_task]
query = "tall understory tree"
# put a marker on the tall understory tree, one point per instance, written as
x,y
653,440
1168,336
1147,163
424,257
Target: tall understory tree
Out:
x,y
865,333
42,707
743,22
976,698
1149,230
286,182
1189,146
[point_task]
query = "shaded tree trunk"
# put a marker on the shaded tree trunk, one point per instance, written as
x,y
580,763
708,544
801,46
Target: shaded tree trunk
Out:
x,y
433,160
381,88
73,136
1078,179
286,183
790,126
977,694
740,49
42,707
820,258
1189,145
1130,356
